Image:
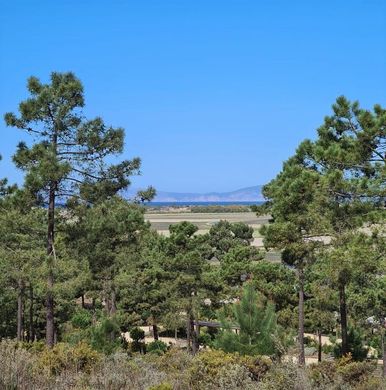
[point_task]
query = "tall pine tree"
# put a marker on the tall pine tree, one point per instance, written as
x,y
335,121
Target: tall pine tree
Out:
x,y
67,158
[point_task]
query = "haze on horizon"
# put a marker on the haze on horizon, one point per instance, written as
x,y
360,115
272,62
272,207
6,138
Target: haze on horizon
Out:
x,y
213,97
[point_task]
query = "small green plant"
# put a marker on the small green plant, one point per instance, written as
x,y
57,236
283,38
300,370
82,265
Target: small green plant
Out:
x,y
82,319
355,346
138,337
105,337
157,346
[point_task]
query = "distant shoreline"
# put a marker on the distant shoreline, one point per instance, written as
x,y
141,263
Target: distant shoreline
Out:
x,y
213,203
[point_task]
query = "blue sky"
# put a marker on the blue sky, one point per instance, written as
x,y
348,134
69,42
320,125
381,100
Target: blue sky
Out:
x,y
213,95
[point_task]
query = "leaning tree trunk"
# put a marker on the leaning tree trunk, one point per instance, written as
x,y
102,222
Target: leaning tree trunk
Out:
x,y
50,328
20,310
302,359
343,318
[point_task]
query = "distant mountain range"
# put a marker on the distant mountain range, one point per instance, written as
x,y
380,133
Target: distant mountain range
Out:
x,y
249,194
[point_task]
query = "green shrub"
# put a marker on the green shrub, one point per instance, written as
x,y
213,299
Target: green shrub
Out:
x,y
355,346
157,346
356,372
138,337
284,376
209,366
162,386
82,319
34,346
105,337
137,334
65,357
322,374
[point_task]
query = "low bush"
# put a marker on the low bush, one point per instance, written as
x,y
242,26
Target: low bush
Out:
x,y
157,347
63,357
209,367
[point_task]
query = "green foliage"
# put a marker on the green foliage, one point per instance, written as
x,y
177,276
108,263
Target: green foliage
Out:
x,y
258,332
157,347
221,209
62,357
343,372
137,334
138,337
81,319
162,386
209,369
105,336
356,346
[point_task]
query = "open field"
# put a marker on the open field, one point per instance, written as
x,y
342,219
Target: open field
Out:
x,y
204,221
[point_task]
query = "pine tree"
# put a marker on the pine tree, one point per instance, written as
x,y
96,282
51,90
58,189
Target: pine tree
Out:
x,y
256,326
67,158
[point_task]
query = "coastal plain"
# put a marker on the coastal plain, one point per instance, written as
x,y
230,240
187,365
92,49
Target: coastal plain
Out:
x,y
162,220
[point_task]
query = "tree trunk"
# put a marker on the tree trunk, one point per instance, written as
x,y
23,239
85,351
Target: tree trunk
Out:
x,y
82,299
319,345
31,314
155,331
302,360
188,333
383,342
195,345
343,318
113,301
20,311
50,329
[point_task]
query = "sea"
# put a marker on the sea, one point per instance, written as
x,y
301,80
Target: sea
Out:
x,y
214,203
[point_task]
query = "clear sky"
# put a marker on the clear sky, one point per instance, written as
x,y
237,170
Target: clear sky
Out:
x,y
213,95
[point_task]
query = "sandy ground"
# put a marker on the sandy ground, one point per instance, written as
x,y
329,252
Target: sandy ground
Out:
x,y
149,338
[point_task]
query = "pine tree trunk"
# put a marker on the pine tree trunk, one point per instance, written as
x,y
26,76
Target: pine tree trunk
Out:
x,y
155,331
383,342
113,301
302,360
20,311
343,317
188,333
31,314
50,328
195,344
319,346
82,300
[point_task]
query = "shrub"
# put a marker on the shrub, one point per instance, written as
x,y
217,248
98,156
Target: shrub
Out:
x,y
356,372
157,346
15,365
138,337
64,357
284,376
162,386
118,372
208,367
322,374
234,376
81,319
355,346
105,337
137,334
